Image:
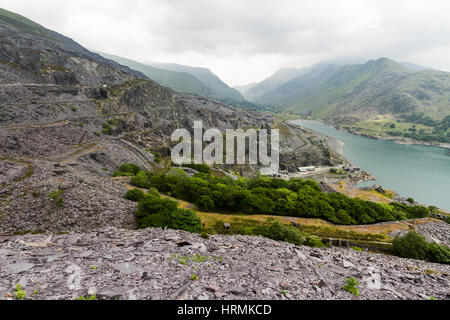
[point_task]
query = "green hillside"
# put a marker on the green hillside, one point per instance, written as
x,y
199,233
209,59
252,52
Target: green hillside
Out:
x,y
381,90
187,79
177,81
23,24
277,79
221,90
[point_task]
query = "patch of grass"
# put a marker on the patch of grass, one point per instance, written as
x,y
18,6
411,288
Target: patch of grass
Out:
x,y
19,293
351,286
204,235
194,277
107,129
89,298
57,197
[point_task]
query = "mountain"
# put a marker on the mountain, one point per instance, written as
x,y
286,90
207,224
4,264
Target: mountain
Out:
x,y
415,67
243,88
69,118
277,79
185,79
380,90
221,91
177,81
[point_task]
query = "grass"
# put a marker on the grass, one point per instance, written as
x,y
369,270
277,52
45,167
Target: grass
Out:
x,y
194,277
381,127
19,293
88,298
351,286
28,165
372,195
376,235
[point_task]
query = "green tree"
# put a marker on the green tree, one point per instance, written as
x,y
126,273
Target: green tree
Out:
x,y
412,245
140,180
206,203
134,195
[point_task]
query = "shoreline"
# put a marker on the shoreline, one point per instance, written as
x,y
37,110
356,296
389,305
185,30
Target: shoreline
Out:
x,y
398,140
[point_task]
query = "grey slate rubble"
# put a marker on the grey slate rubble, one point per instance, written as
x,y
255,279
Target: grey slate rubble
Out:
x,y
148,264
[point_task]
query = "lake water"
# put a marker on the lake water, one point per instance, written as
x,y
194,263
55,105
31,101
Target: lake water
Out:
x,y
416,171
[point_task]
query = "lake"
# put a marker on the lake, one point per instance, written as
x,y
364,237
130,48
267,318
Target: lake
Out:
x,y
420,172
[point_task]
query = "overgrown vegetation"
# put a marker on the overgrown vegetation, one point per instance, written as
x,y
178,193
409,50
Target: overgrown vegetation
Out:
x,y
277,232
296,198
415,246
134,195
127,170
155,212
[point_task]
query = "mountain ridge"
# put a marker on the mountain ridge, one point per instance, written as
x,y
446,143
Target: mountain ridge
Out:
x,y
381,90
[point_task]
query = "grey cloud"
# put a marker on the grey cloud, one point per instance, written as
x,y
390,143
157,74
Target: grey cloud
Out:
x,y
244,41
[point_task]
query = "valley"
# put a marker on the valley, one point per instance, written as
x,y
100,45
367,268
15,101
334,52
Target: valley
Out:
x,y
92,206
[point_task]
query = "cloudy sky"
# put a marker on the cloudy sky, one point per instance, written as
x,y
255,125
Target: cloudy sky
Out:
x,y
245,41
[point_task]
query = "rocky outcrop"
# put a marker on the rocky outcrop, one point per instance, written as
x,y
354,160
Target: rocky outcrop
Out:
x,y
160,264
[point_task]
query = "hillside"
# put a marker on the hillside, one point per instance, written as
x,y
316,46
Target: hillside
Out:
x,y
69,118
77,130
277,79
177,81
381,90
221,91
226,268
184,79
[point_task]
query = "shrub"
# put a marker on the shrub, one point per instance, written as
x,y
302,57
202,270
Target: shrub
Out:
x,y
153,191
107,129
351,286
204,235
176,172
89,298
412,245
158,157
127,170
154,212
130,167
140,180
438,254
58,197
206,203
313,241
279,232
296,198
134,195
19,293
194,277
